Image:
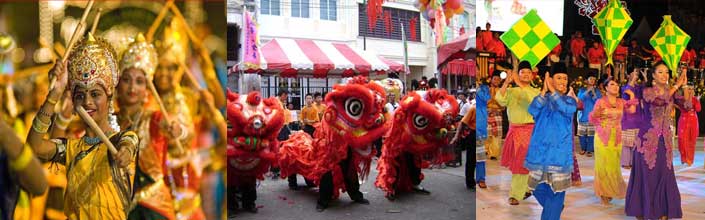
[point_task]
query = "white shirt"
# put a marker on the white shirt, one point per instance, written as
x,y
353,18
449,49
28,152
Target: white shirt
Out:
x,y
391,107
294,115
464,109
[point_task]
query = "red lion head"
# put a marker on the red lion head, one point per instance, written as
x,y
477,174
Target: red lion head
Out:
x,y
420,127
253,125
356,111
423,120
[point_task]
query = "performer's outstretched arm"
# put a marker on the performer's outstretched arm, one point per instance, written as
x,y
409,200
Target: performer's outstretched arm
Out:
x,y
23,164
42,147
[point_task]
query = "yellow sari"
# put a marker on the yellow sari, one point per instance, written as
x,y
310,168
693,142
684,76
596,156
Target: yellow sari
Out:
x,y
96,188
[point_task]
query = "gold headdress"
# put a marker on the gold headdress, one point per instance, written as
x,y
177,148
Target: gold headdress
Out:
x,y
93,61
174,47
141,55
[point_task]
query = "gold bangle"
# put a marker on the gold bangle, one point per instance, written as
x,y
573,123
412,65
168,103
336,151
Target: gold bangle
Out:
x,y
43,113
62,122
21,162
39,126
51,102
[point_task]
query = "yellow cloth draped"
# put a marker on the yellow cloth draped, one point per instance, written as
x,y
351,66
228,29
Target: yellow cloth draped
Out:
x,y
91,192
517,101
608,173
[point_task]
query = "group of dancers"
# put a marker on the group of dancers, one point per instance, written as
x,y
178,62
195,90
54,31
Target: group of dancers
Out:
x,y
118,135
336,147
630,127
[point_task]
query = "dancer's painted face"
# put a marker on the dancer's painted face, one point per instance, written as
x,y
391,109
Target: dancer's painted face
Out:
x,y
94,100
132,88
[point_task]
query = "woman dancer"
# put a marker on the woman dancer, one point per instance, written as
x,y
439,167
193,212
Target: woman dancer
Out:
x,y
99,182
606,116
688,129
652,192
137,65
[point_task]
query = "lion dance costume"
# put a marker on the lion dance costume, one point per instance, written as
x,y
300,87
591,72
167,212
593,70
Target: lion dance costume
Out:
x,y
253,126
420,127
341,150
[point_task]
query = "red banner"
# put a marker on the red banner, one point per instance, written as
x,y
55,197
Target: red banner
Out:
x,y
412,29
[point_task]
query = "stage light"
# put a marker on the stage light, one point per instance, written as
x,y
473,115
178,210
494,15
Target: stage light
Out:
x,y
503,75
56,5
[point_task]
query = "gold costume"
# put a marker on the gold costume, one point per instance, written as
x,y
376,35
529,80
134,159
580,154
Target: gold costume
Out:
x,y
97,188
152,194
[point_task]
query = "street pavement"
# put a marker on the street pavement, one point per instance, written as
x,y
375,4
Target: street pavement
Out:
x,y
449,200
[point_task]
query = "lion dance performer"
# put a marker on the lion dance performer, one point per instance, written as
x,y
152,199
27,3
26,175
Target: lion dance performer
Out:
x,y
253,126
341,149
420,127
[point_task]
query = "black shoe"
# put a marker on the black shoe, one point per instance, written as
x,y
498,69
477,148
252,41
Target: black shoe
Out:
x,y
421,190
391,197
252,208
310,184
295,188
361,201
472,188
320,208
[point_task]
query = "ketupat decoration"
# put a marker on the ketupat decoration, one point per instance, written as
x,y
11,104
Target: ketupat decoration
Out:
x,y
670,42
612,22
530,38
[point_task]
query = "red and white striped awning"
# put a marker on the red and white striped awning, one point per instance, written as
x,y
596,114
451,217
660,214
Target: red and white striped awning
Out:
x,y
289,57
460,67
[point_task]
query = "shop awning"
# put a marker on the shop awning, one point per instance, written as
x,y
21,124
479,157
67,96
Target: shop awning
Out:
x,y
290,57
460,67
451,50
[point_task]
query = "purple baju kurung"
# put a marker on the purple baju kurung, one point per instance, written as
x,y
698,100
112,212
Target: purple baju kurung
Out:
x,y
652,190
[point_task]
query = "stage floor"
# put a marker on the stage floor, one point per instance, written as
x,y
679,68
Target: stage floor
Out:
x,y
581,202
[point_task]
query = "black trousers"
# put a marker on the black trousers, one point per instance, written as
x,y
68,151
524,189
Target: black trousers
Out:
x,y
309,129
458,150
471,160
352,186
414,171
248,192
293,182
378,145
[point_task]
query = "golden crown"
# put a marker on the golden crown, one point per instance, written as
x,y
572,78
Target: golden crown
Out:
x,y
174,47
93,61
141,55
